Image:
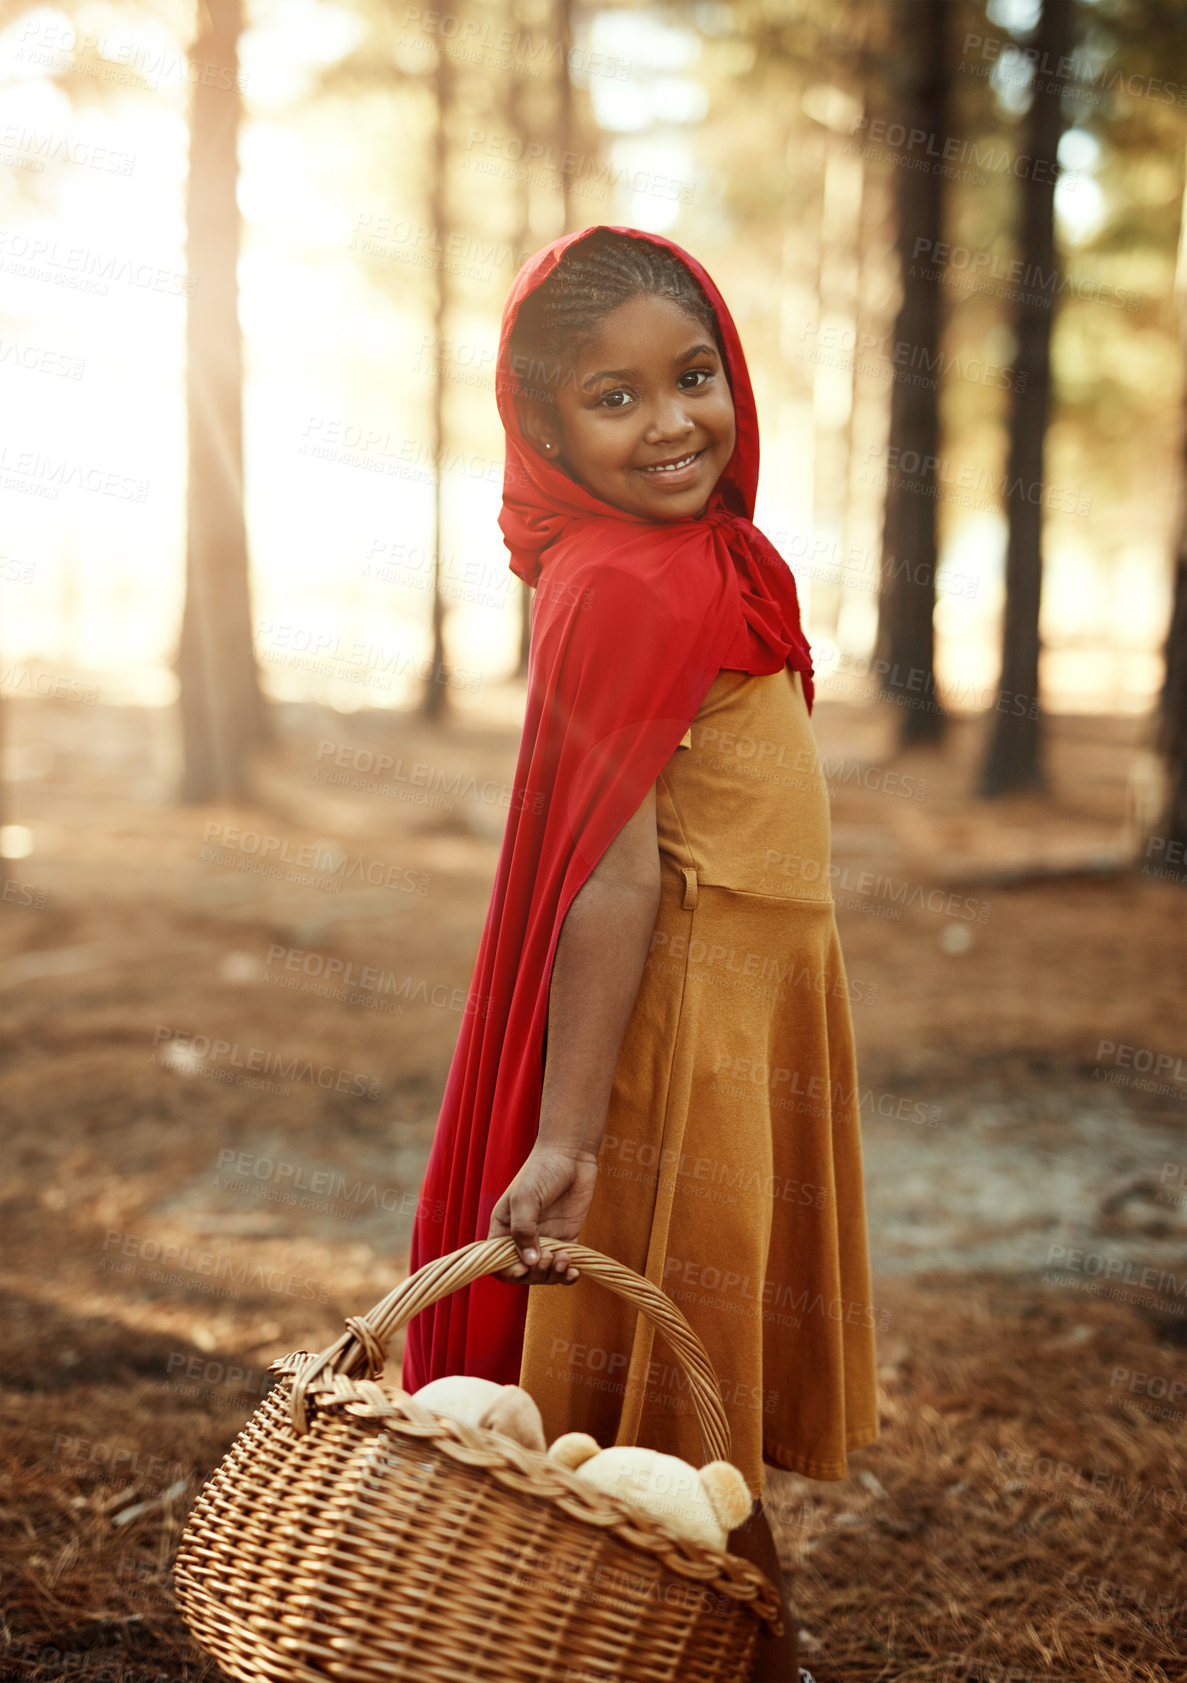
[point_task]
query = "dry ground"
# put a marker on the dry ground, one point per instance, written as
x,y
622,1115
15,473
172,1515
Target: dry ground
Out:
x,y
170,1224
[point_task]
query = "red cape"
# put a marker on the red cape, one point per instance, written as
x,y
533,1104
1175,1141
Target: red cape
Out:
x,y
632,621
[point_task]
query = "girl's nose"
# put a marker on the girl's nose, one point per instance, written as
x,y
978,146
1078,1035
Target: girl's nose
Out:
x,y
668,420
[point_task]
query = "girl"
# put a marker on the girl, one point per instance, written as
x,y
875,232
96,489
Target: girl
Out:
x,y
657,1053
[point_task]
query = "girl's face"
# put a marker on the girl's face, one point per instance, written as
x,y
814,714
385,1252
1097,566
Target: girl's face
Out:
x,y
648,391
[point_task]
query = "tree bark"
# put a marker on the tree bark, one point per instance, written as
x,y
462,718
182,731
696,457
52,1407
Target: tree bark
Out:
x,y
435,703
222,711
907,597
519,125
4,715
563,16
1014,758
1169,845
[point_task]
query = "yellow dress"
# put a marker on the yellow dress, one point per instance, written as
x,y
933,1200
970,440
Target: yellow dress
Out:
x,y
731,1169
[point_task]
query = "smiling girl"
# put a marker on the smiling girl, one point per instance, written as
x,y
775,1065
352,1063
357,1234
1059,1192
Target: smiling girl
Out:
x,y
657,1054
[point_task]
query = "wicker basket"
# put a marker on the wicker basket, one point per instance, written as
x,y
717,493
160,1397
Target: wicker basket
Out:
x,y
355,1535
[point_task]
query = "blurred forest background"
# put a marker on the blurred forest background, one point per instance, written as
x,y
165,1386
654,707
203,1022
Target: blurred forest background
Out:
x,y
262,671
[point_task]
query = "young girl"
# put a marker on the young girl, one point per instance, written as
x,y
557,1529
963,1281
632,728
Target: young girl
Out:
x,y
657,1054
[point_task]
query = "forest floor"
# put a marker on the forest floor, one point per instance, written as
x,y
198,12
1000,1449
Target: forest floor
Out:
x,y
174,1216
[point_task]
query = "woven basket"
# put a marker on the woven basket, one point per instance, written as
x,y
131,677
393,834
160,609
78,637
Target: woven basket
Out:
x,y
355,1535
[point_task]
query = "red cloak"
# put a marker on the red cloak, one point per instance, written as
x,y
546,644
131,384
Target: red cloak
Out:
x,y
632,621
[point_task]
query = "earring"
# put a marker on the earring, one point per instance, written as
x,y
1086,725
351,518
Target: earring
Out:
x,y
548,444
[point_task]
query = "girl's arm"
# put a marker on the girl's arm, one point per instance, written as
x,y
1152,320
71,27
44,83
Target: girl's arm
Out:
x,y
596,973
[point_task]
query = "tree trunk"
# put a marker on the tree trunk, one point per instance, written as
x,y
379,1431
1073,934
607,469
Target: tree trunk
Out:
x,y
519,126
907,598
4,714
222,710
1169,846
1014,757
435,703
563,17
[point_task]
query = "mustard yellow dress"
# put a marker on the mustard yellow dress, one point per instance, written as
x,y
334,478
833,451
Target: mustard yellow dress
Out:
x,y
731,1169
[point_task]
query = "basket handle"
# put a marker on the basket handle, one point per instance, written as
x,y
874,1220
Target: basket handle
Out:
x,y
362,1347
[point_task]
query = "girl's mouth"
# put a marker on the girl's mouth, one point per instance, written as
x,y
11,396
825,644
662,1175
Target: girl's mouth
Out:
x,y
677,473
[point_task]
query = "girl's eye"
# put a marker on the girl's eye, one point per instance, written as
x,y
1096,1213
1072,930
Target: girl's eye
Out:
x,y
699,374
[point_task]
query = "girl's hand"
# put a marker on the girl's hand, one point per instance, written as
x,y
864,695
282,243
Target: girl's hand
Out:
x,y
550,1195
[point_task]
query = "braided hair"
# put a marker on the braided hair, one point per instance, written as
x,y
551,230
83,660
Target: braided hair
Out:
x,y
592,278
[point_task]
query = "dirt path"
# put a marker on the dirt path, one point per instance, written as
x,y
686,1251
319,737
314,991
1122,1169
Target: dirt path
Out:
x,y
222,1062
